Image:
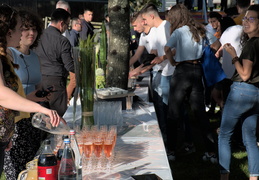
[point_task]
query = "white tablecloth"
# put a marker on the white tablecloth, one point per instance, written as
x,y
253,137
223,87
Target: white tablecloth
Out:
x,y
139,148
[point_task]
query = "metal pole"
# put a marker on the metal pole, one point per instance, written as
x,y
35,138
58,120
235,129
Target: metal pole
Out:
x,y
204,10
163,6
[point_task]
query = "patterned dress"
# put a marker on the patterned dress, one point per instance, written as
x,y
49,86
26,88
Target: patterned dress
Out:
x,y
6,115
26,138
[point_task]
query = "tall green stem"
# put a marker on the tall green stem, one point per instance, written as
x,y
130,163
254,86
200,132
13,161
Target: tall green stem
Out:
x,y
87,81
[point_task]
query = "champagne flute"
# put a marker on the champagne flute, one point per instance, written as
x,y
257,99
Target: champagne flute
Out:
x,y
98,145
88,146
108,149
108,146
113,132
80,141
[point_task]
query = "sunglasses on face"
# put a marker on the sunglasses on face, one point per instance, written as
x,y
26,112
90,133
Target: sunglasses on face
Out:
x,y
250,19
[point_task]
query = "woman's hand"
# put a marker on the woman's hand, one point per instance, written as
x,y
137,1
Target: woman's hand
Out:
x,y
9,146
230,49
54,117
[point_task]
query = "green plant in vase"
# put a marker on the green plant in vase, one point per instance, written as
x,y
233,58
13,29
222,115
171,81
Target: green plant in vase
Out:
x,y
101,56
87,80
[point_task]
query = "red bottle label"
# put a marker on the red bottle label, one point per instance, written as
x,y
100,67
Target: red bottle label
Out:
x,y
47,172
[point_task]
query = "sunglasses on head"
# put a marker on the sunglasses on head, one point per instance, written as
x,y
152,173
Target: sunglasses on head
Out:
x,y
13,11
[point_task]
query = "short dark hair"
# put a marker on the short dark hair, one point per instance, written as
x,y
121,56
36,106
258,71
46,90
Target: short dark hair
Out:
x,y
134,17
254,7
59,15
243,3
149,8
74,21
88,9
226,22
215,15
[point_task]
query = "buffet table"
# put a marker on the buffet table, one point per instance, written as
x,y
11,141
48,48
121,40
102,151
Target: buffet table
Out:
x,y
139,149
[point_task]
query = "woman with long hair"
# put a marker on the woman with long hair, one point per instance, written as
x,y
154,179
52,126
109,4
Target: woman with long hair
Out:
x,y
10,34
242,103
26,139
187,81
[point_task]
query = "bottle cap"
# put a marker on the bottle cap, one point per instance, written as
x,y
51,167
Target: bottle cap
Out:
x,y
72,132
47,142
65,137
66,141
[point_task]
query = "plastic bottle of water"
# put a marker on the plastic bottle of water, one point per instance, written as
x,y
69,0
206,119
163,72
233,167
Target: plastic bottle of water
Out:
x,y
67,169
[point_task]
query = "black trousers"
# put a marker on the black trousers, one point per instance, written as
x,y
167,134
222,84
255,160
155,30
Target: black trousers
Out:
x,y
186,83
58,98
3,145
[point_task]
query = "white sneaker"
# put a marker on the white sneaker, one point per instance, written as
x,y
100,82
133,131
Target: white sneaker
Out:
x,y
171,156
212,158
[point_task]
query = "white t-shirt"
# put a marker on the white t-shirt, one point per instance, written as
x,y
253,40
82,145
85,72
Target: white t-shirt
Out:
x,y
210,29
148,40
162,35
230,35
186,48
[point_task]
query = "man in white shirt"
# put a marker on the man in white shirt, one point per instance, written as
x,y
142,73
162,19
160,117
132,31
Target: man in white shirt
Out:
x,y
231,35
146,42
163,70
147,37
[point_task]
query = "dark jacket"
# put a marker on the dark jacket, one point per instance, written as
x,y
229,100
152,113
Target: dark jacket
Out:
x,y
54,51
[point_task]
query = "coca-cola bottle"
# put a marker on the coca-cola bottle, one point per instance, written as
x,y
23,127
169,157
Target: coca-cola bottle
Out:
x,y
47,163
67,168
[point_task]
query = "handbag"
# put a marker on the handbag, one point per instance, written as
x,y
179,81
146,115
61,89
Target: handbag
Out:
x,y
212,69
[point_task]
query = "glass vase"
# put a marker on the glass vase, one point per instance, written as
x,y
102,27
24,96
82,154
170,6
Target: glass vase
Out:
x,y
87,83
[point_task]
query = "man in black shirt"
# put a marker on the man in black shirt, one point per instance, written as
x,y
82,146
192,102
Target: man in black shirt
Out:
x,y
87,27
54,51
73,34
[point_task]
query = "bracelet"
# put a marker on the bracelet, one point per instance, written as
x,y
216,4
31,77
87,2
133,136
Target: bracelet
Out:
x,y
235,59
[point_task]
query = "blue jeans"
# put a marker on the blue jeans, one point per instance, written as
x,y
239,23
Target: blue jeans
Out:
x,y
163,88
160,90
242,104
187,86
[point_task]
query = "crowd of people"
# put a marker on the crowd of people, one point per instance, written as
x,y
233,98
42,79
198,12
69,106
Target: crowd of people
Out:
x,y
36,63
178,84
